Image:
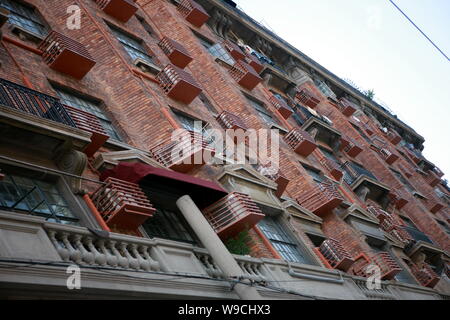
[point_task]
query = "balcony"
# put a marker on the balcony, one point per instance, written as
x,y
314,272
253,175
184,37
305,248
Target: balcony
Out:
x,y
388,156
234,50
434,205
66,55
317,125
281,180
88,122
121,10
321,199
393,137
245,75
281,105
176,52
123,205
193,12
347,107
178,84
307,98
359,178
398,197
184,152
432,178
392,225
388,266
408,172
352,148
301,142
333,168
425,275
20,98
233,214
254,63
229,120
335,255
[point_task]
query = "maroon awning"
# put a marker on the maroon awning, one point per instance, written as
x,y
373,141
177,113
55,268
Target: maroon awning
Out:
x,y
202,191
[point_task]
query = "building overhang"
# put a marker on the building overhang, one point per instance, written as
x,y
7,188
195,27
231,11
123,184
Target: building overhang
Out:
x,y
325,132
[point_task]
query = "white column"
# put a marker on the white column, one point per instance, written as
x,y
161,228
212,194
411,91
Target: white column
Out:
x,y
220,254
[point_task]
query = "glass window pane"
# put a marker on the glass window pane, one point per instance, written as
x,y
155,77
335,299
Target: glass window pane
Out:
x,y
132,46
25,17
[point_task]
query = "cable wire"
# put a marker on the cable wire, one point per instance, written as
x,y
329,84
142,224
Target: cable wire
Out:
x,y
423,33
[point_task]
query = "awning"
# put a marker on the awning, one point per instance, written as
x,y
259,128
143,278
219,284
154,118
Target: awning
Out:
x,y
203,192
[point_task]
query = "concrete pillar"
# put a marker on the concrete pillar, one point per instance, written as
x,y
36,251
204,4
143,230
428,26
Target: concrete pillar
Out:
x,y
220,254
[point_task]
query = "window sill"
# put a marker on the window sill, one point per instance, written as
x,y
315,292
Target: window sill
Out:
x,y
26,35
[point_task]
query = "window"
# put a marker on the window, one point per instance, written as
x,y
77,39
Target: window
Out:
x,y
329,155
146,26
444,225
313,172
405,182
262,111
189,123
169,224
208,104
36,197
361,133
282,242
216,50
88,105
134,47
25,16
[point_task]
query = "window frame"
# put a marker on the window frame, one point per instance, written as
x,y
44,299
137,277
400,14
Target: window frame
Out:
x,y
135,47
286,240
92,105
78,211
42,29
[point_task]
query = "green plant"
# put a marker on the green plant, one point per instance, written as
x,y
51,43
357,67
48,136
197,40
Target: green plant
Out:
x,y
239,244
370,94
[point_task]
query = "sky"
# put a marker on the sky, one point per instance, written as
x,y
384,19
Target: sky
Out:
x,y
371,43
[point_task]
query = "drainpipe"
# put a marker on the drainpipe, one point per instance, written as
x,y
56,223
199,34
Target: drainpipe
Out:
x,y
296,274
215,247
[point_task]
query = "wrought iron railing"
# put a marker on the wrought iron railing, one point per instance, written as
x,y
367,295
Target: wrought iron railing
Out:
x,y
17,97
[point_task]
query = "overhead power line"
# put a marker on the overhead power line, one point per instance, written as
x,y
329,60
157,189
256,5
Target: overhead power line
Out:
x,y
423,33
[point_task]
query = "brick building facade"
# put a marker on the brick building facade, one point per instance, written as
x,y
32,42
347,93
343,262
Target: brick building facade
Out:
x,y
87,116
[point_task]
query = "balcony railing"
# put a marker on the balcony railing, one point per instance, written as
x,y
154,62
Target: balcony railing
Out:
x,y
389,267
321,199
193,12
122,10
347,107
335,254
332,167
184,152
301,142
234,50
122,204
425,275
245,75
432,178
283,108
176,52
88,122
388,156
281,180
229,120
351,147
306,97
398,197
233,214
20,98
178,84
254,62
66,55
17,97
393,137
